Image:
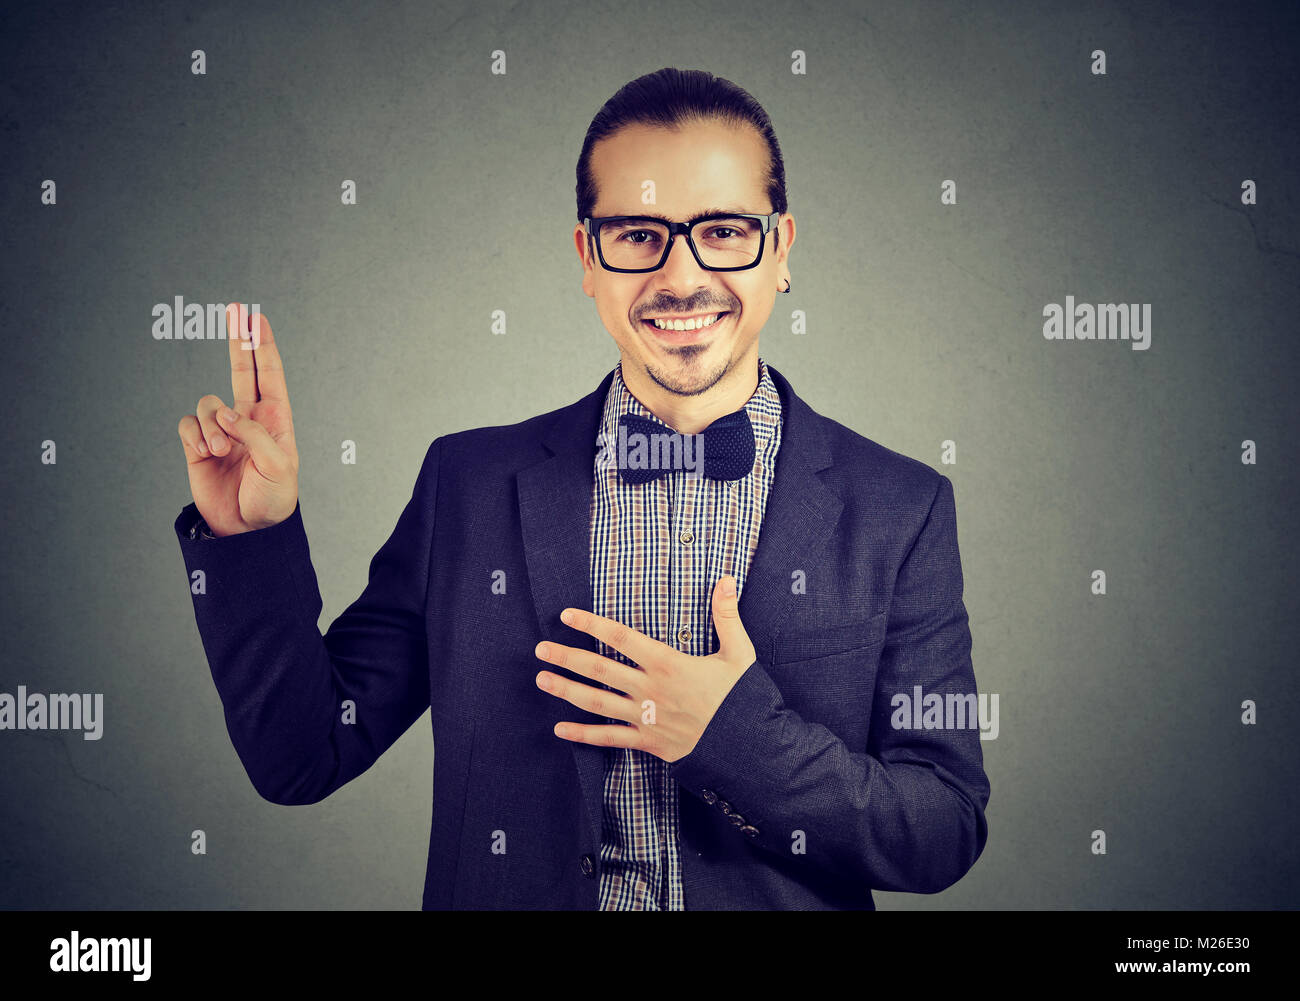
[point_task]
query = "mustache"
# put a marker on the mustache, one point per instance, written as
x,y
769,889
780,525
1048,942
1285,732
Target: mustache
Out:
x,y
685,309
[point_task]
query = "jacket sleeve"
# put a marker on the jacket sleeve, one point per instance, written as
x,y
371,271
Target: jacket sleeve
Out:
x,y
307,713
905,813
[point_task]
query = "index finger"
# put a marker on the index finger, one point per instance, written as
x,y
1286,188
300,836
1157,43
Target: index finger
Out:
x,y
636,646
243,375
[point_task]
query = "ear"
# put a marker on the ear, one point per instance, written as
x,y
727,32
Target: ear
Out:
x,y
582,243
786,228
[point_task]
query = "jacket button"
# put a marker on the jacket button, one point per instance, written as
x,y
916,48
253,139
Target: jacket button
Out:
x,y
725,807
736,819
750,830
588,866
709,796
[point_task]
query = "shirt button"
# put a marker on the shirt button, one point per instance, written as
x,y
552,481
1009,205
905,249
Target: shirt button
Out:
x,y
709,796
588,866
683,635
687,537
750,830
737,820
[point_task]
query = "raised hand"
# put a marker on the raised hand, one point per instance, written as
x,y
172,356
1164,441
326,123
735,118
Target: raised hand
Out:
x,y
243,460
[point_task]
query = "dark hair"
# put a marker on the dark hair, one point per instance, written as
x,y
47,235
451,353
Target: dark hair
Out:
x,y
670,97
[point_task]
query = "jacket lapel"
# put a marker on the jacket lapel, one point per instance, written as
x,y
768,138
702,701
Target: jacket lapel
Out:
x,y
555,517
800,515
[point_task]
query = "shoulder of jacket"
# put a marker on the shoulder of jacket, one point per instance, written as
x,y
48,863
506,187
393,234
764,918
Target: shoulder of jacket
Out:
x,y
865,464
498,444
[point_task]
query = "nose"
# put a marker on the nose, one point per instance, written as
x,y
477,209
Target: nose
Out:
x,y
681,270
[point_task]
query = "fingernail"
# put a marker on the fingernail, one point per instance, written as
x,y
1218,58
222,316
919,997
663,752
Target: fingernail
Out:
x,y
218,442
543,650
229,414
203,447
728,586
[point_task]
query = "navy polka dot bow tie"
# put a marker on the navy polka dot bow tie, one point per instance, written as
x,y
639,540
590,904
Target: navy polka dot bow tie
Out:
x,y
647,449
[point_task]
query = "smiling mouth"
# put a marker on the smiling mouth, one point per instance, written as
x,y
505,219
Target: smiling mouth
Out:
x,y
686,324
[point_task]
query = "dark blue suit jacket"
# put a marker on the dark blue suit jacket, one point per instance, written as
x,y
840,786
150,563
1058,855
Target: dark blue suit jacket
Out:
x,y
801,754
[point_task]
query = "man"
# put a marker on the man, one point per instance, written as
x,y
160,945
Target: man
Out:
x,y
552,596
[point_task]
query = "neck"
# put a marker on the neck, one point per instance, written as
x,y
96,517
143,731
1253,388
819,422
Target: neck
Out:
x,y
692,414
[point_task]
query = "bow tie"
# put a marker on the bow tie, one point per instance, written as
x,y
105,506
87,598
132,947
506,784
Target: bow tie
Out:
x,y
647,450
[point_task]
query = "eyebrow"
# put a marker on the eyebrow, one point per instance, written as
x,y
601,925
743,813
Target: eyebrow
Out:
x,y
695,218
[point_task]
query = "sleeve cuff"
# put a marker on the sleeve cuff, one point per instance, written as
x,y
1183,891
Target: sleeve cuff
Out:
x,y
193,533
734,758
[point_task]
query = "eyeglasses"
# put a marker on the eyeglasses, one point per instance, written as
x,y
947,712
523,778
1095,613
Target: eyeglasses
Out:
x,y
635,244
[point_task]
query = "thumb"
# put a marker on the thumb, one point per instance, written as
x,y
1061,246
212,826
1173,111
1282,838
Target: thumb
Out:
x,y
268,457
732,637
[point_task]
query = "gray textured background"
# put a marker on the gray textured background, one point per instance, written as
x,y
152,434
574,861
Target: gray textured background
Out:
x,y
1118,712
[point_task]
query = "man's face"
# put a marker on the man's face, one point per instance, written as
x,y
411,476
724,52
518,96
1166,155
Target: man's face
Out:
x,y
698,168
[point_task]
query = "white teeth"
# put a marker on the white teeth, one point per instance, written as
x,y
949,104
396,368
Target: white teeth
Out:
x,y
701,323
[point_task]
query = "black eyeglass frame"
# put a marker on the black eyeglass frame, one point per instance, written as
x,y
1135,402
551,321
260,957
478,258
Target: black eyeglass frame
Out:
x,y
675,229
